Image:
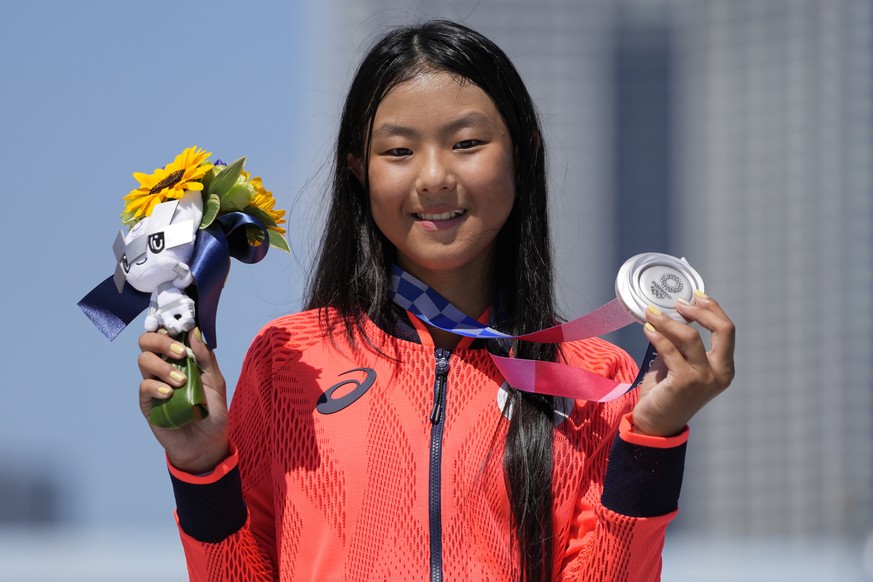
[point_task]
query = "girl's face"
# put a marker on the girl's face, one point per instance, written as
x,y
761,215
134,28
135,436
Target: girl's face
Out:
x,y
442,178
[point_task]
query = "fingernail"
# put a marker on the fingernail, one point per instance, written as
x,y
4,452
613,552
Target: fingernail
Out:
x,y
701,294
649,327
198,335
683,301
162,331
653,310
178,349
177,376
164,390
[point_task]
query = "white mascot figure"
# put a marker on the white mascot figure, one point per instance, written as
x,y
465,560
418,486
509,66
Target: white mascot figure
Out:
x,y
154,257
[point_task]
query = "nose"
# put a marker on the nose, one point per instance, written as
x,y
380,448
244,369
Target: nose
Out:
x,y
434,174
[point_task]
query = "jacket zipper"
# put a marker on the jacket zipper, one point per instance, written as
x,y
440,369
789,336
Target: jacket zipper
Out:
x,y
436,444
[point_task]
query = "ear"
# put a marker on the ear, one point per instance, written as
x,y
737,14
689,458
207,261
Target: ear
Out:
x,y
356,165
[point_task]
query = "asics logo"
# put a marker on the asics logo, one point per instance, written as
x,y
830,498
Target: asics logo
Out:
x,y
327,404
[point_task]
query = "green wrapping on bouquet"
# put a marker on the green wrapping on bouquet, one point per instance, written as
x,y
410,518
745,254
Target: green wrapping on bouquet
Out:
x,y
187,403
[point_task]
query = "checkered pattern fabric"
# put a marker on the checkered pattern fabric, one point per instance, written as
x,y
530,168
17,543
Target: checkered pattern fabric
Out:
x,y
417,298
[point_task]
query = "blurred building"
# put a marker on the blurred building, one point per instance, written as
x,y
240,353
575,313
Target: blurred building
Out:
x,y
738,133
29,496
775,153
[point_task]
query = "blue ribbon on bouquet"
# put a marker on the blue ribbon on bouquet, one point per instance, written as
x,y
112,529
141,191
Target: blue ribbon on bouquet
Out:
x,y
111,311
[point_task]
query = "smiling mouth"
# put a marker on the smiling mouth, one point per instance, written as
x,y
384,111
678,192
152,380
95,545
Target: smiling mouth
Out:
x,y
437,217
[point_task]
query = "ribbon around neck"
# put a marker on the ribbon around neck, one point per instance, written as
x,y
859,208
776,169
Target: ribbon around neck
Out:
x,y
111,311
535,376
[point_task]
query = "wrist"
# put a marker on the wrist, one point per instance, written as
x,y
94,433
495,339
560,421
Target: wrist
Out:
x,y
627,433
642,425
200,465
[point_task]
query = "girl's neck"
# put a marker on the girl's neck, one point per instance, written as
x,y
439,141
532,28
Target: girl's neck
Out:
x,y
471,290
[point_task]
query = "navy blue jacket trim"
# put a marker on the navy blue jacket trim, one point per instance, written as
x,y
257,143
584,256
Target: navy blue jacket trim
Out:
x,y
211,513
643,481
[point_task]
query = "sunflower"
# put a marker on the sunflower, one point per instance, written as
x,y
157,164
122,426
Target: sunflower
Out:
x,y
167,183
264,200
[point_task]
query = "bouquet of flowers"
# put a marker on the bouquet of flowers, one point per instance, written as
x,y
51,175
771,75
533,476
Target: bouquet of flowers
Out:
x,y
186,220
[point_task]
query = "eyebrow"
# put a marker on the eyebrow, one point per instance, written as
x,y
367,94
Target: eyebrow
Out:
x,y
473,118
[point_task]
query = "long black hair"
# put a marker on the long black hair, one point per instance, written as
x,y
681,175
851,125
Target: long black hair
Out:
x,y
351,273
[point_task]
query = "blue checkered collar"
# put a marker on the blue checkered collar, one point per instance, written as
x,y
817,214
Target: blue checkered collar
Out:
x,y
415,297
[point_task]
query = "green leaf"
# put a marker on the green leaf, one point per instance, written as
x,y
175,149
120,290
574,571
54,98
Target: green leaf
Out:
x,y
278,241
253,233
261,215
210,210
127,219
237,197
226,178
210,176
187,404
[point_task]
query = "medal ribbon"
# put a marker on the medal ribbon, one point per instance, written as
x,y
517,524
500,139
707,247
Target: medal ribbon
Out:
x,y
535,376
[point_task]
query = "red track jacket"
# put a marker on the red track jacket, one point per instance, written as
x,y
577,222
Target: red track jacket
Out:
x,y
356,465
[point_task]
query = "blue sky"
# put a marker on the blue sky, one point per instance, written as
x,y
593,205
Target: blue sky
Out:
x,y
93,91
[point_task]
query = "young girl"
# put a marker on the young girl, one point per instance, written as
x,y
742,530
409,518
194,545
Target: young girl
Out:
x,y
364,444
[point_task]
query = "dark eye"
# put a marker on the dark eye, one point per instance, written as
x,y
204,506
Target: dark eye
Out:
x,y
125,264
467,144
399,152
156,242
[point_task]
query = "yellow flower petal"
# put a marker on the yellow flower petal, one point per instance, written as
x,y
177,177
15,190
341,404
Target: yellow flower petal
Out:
x,y
168,183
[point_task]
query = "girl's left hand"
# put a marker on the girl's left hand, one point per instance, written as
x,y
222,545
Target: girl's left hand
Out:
x,y
685,376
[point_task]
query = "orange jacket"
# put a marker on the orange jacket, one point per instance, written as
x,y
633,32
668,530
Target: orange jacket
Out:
x,y
343,468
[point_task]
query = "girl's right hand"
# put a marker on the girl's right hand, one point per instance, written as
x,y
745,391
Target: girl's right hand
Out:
x,y
199,446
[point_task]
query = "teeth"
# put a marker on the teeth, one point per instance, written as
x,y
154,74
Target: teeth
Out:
x,y
443,216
